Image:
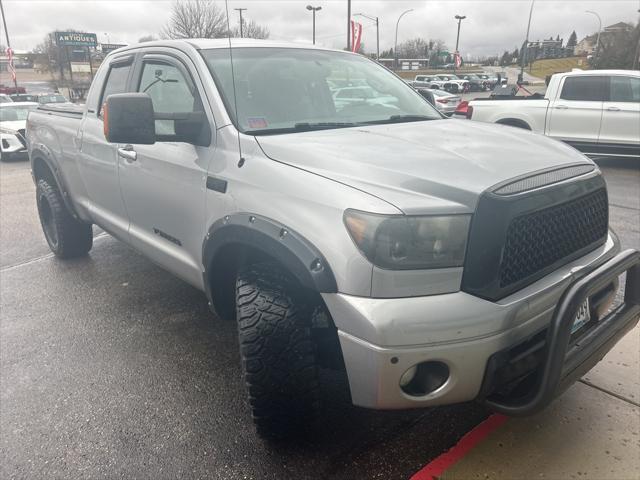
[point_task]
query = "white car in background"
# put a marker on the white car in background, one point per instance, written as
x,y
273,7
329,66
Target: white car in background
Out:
x,y
357,95
446,103
4,98
453,83
13,121
595,111
430,80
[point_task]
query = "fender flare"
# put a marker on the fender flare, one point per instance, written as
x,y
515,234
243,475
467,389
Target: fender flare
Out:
x,y
301,258
38,153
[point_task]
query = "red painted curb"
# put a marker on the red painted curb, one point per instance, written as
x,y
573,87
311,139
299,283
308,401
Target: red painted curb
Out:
x,y
440,464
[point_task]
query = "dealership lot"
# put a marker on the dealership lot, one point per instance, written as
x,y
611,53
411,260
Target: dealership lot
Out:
x,y
111,367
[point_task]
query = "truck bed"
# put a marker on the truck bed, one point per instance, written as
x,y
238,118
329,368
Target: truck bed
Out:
x,y
64,109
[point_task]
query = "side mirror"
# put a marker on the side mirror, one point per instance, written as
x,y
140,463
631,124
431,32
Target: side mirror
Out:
x,y
129,118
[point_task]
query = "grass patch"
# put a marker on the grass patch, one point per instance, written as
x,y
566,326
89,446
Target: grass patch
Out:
x,y
542,68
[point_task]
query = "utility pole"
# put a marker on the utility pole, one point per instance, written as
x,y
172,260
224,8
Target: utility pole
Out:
x,y
375,19
525,53
595,63
314,10
349,25
459,18
395,44
4,22
636,58
240,10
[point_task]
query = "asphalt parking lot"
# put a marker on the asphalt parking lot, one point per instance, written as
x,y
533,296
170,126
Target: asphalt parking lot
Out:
x,y
113,368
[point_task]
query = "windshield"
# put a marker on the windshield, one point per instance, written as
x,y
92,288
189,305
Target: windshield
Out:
x,y
12,113
281,90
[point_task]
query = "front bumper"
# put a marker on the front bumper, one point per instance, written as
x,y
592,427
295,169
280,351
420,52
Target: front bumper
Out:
x,y
11,145
382,338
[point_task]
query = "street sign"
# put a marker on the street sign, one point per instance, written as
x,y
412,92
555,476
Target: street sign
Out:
x,y
443,54
76,39
80,67
110,47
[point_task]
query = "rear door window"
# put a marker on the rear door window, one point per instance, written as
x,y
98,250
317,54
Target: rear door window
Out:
x,y
584,88
624,89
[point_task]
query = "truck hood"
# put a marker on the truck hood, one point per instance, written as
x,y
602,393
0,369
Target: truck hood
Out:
x,y
13,125
421,167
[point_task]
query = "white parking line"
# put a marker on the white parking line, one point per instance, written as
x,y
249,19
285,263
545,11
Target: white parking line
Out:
x,y
43,257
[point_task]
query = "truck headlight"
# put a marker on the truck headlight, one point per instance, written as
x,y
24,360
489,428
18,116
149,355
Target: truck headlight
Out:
x,y
400,242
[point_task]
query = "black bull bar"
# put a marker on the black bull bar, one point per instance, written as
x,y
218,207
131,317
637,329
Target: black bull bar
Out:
x,y
564,362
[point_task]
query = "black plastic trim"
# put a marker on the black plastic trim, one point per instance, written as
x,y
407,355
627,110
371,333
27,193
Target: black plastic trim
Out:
x,y
217,184
604,149
565,361
303,260
488,229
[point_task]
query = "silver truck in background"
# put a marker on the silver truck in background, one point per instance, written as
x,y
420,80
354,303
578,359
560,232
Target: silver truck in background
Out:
x,y
373,236
595,111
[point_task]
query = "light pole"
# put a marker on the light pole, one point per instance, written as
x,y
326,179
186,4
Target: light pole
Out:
x,y
525,52
395,45
598,37
240,10
4,22
314,10
459,18
375,19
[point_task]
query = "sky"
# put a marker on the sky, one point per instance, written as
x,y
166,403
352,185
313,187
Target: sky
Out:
x,y
489,28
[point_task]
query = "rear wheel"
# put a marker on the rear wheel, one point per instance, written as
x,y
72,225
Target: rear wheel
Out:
x,y
66,236
277,350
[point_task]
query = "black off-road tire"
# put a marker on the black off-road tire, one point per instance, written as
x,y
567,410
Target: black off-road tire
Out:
x,y
66,236
277,351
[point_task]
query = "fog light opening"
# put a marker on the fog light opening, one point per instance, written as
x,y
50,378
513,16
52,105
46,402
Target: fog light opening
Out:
x,y
424,378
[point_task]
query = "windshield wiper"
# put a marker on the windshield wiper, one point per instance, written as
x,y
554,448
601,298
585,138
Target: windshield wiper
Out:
x,y
321,125
400,119
301,127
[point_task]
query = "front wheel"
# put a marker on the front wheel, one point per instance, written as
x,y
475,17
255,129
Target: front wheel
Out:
x,y
67,237
277,351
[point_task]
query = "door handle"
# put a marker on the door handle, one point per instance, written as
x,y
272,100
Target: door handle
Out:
x,y
128,153
562,107
613,109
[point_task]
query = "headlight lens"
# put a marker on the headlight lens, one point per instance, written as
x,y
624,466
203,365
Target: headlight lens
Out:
x,y
399,242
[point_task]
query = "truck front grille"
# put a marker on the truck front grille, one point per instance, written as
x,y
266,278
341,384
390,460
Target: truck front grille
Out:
x,y
540,239
515,240
22,137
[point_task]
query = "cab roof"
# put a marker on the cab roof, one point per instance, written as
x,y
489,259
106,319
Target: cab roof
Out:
x,y
212,43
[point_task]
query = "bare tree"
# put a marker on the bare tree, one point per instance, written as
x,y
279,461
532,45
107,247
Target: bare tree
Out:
x,y
195,19
251,29
50,57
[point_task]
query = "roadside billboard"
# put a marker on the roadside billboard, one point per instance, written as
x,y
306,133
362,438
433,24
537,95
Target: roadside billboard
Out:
x,y
76,39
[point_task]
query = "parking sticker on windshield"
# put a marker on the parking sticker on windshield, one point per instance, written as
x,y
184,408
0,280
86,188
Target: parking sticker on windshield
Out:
x,y
257,122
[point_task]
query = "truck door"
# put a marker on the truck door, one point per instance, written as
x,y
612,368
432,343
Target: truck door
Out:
x,y
575,114
164,184
98,164
620,131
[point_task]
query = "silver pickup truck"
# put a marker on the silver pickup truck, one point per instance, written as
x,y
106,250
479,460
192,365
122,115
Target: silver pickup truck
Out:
x,y
436,261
